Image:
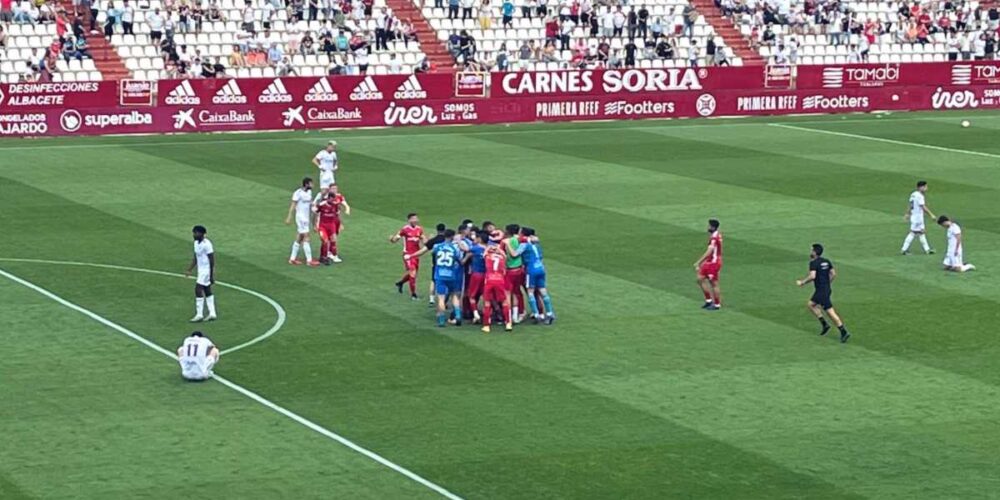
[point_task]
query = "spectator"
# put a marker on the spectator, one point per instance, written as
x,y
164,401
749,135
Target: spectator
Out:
x,y
343,43
565,30
693,54
219,69
630,51
466,44
306,47
77,25
467,8
395,67
632,23
168,25
607,24
382,30
595,26
507,9
549,53
409,33
551,29
485,15
82,47
256,58
423,66
781,55
361,58
524,56
155,20
643,16
25,12
112,16
543,9
213,14
275,54
656,28
3,38
979,47
6,11
197,17
453,9
128,18
453,45
720,57
618,22
690,16
207,69
502,59
183,18
564,10
68,49
665,48
248,16
313,7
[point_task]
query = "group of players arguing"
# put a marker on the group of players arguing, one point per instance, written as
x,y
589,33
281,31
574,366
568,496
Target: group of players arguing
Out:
x,y
474,265
327,206
915,210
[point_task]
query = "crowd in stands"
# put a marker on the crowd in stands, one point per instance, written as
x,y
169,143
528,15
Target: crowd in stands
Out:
x,y
581,34
68,44
964,30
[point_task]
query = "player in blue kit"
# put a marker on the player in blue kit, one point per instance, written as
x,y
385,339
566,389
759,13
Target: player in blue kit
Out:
x,y
531,252
448,277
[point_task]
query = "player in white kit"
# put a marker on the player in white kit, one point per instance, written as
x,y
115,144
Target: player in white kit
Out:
x,y
326,162
204,260
301,208
954,260
915,214
197,356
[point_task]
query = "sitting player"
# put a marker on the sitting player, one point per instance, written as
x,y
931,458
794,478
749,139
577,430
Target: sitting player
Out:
x,y
954,259
197,356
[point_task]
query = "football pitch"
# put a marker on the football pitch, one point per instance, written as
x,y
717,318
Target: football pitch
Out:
x,y
335,386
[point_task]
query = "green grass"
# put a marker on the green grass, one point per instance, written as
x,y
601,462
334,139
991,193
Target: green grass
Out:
x,y
634,393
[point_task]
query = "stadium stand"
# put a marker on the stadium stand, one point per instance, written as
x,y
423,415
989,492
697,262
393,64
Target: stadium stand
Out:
x,y
503,36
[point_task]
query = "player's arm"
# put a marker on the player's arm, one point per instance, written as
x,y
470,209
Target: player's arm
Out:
x,y
808,279
418,254
958,243
833,274
394,238
194,262
928,211
707,254
316,161
347,208
180,352
291,210
211,268
214,352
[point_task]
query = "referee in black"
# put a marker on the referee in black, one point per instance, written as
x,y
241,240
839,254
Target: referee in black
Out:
x,y
822,274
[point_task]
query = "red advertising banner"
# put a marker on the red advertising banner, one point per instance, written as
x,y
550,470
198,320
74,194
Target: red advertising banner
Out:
x,y
213,105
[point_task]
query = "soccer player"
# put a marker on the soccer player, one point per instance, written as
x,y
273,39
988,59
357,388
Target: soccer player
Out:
x,y
515,270
822,274
535,271
326,162
709,266
327,205
204,259
953,260
434,240
495,283
915,211
477,272
448,278
413,238
197,356
465,230
301,207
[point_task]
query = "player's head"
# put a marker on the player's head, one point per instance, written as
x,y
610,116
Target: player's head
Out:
x,y
527,231
331,146
512,229
944,221
466,228
488,226
817,250
196,333
199,232
713,225
412,218
333,189
307,183
922,186
496,236
441,227
449,234
480,237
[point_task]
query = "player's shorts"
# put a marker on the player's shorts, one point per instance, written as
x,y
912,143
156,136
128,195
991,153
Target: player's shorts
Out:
x,y
495,292
474,285
822,299
326,181
447,286
204,277
710,270
515,278
917,225
329,229
536,280
954,259
192,370
302,225
411,264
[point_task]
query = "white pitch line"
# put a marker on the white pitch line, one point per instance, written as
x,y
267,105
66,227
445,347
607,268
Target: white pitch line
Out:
x,y
667,124
887,141
273,303
236,387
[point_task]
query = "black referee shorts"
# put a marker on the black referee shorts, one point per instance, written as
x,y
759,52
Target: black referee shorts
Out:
x,y
822,299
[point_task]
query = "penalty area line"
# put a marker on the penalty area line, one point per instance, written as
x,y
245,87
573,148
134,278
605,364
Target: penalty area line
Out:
x,y
887,141
238,388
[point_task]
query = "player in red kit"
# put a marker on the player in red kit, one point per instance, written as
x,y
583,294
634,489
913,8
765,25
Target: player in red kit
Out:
x,y
708,267
495,286
328,204
413,240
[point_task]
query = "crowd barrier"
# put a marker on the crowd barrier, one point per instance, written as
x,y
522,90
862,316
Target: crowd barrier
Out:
x,y
211,105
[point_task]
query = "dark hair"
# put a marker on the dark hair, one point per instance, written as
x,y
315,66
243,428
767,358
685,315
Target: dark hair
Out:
x,y
440,227
713,223
512,228
449,233
527,231
921,184
467,222
482,235
199,229
943,219
196,333
487,223
306,180
818,249
411,215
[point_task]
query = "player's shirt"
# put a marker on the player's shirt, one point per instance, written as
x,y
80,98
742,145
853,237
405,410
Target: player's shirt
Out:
x,y
329,211
954,246
303,203
202,249
194,358
431,243
513,262
716,241
447,261
496,266
917,203
411,238
532,255
823,268
477,264
327,163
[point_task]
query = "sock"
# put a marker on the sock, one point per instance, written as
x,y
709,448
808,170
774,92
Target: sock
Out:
x,y
822,321
309,251
717,301
842,328
441,318
923,243
295,251
907,242
413,285
199,304
708,296
333,249
548,305
210,300
518,303
506,314
533,304
458,314
487,313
